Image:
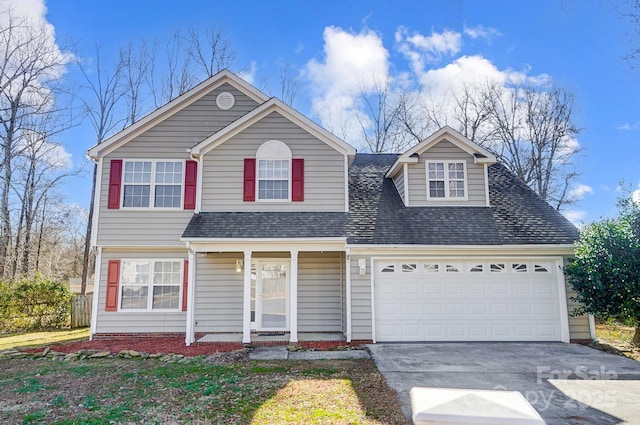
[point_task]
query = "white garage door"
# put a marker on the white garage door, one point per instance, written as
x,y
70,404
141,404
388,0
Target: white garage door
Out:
x,y
492,300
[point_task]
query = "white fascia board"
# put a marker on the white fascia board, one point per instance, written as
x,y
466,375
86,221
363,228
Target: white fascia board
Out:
x,y
399,164
270,245
455,251
146,248
174,106
456,138
272,105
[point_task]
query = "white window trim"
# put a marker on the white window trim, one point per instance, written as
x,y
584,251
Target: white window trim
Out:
x,y
274,150
446,180
289,178
150,308
152,184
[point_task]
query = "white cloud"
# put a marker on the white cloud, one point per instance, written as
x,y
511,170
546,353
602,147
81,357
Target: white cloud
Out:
x,y
421,50
579,191
575,216
250,74
353,63
480,31
629,127
635,195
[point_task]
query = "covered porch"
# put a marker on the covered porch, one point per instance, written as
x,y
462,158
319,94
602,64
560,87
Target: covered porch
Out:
x,y
268,292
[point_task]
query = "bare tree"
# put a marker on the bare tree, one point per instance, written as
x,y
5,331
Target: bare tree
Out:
x,y
30,65
104,93
289,85
380,124
135,63
210,50
533,133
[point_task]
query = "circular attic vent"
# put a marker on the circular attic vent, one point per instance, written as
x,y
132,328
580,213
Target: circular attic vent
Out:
x,y
225,100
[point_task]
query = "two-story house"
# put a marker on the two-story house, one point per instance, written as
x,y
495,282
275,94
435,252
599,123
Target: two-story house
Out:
x,y
227,214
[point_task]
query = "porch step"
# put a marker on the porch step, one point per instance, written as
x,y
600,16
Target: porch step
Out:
x,y
281,353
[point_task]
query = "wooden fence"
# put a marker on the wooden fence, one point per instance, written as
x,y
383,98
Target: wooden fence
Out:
x,y
81,311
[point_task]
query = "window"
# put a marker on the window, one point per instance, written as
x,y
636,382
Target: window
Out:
x,y
151,284
163,179
451,268
431,268
497,268
409,268
519,267
274,171
538,268
273,179
389,269
478,268
446,180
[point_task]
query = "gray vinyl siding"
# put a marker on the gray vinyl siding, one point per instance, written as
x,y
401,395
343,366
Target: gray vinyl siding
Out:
x,y
578,325
319,292
218,293
167,140
223,169
446,151
398,180
361,318
136,322
187,127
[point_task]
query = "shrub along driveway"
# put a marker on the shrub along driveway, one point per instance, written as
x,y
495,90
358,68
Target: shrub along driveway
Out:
x,y
565,383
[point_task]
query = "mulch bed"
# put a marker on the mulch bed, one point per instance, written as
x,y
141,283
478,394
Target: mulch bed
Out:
x,y
173,345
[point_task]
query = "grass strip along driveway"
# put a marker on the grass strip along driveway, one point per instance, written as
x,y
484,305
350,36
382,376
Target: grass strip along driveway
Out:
x,y
113,390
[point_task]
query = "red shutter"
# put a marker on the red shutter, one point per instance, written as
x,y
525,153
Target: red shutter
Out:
x,y
185,285
190,179
113,280
249,180
115,177
297,180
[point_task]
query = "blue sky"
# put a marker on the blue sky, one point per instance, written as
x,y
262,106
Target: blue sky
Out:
x,y
579,44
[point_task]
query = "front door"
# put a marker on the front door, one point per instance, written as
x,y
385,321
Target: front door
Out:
x,y
271,296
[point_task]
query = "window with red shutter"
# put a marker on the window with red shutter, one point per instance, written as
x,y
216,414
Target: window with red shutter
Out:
x,y
249,186
185,284
115,179
190,182
297,179
113,280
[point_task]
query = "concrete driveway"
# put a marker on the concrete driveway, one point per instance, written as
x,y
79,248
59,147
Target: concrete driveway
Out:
x,y
567,384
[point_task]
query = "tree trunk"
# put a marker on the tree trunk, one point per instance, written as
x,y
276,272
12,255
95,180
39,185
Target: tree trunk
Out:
x,y
87,239
636,337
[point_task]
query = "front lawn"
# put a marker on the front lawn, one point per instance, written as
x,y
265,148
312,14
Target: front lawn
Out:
x,y
36,339
616,337
150,391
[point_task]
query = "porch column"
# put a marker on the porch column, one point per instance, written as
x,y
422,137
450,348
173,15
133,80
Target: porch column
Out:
x,y
293,298
348,291
246,306
191,297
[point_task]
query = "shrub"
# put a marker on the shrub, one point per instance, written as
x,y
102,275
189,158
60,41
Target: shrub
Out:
x,y
32,304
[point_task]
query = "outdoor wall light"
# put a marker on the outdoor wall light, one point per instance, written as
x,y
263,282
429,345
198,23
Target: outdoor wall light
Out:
x,y
362,263
239,264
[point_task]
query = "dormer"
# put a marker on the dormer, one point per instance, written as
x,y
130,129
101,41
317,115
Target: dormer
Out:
x,y
446,169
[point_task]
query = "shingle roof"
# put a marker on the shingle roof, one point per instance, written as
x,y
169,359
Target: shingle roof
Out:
x,y
272,225
377,215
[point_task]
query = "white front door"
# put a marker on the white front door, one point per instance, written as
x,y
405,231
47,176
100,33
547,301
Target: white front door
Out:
x,y
270,295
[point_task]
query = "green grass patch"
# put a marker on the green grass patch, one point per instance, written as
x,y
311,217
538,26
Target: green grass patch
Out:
x,y
37,339
149,391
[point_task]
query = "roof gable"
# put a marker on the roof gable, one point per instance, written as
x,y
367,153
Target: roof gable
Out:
x,y
446,133
173,107
272,105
